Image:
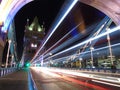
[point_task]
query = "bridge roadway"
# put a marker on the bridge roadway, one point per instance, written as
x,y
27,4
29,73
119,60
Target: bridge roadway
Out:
x,y
54,80
15,81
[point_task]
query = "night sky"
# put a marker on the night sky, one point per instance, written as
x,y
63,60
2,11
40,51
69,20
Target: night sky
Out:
x,y
46,11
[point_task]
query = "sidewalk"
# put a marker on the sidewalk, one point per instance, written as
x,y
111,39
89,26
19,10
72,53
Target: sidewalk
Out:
x,y
15,81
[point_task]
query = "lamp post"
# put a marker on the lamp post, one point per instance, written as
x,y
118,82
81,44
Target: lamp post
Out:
x,y
51,62
80,60
9,43
91,50
109,44
41,59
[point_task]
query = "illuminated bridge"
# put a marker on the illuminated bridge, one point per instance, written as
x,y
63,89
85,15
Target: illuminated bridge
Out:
x,y
78,52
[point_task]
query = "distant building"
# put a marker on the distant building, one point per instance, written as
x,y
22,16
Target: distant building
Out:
x,y
34,34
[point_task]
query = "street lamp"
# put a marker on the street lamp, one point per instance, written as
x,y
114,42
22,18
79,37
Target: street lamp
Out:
x,y
9,43
50,54
91,50
50,58
109,43
80,59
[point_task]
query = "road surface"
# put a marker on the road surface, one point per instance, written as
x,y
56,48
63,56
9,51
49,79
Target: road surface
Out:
x,y
50,79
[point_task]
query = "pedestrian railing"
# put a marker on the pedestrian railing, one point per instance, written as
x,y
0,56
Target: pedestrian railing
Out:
x,y
5,71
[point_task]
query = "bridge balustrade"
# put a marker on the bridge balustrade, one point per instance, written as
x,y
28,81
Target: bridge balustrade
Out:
x,y
5,71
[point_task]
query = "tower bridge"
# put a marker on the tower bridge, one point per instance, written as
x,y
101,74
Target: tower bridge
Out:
x,y
63,59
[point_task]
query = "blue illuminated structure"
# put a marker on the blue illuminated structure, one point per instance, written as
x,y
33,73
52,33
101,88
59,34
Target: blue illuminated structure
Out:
x,y
8,9
13,44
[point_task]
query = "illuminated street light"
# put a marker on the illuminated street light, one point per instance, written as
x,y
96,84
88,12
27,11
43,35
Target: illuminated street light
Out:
x,y
9,43
109,45
91,49
51,62
50,54
80,59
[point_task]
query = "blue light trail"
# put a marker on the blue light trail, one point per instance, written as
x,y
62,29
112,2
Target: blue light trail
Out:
x,y
63,37
63,17
89,40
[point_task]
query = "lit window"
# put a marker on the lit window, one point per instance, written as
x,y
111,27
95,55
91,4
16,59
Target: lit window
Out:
x,y
39,29
30,28
33,45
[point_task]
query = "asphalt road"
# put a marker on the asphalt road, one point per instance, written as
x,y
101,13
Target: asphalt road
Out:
x,y
56,80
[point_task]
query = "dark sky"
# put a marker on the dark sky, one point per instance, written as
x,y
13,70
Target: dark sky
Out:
x,y
45,10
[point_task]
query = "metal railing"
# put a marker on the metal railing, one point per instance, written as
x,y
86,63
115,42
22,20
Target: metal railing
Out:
x,y
6,71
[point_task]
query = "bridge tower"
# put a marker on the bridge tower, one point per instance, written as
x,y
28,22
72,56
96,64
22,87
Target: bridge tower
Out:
x,y
34,34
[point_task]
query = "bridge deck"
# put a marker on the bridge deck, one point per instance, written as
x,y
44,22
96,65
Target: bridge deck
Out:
x,y
15,81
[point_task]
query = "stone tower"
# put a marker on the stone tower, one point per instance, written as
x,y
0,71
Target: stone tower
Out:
x,y
34,34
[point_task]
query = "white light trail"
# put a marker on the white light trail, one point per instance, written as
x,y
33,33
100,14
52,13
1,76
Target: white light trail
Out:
x,y
63,37
91,39
58,59
84,52
101,48
63,17
105,79
106,83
